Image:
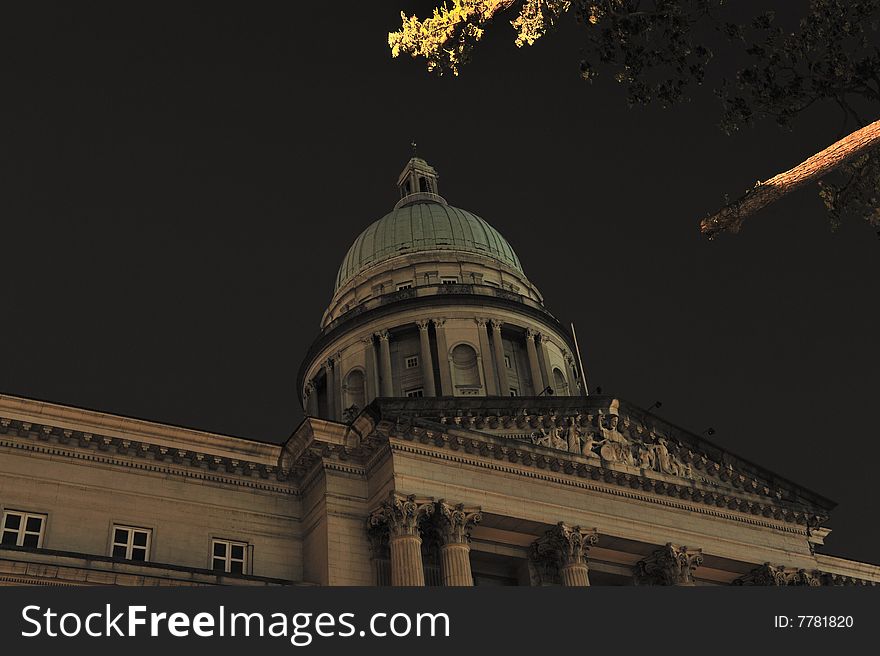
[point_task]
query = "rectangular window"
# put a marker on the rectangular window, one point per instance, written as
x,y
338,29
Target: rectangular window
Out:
x,y
412,362
404,285
228,556
415,393
131,543
23,529
507,361
514,391
449,280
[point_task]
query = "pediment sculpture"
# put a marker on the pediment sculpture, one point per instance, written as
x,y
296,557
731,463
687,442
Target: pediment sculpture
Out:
x,y
603,439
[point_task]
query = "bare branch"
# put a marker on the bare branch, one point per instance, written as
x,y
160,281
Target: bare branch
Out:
x,y
731,217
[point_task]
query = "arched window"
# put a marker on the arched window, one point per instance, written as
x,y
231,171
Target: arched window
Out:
x,y
560,386
354,390
423,185
464,366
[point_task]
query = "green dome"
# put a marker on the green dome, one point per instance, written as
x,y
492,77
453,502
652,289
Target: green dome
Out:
x,y
420,227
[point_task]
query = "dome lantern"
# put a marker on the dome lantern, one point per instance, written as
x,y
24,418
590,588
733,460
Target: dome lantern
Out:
x,y
418,183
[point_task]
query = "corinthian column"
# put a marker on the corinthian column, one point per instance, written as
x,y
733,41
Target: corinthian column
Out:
x,y
427,360
330,378
574,387
443,358
401,515
385,363
453,524
564,549
486,355
503,382
538,384
544,361
311,403
669,565
371,380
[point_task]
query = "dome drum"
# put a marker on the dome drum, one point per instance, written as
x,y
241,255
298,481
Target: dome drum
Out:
x,y
456,350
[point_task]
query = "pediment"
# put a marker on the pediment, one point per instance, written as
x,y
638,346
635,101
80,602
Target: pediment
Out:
x,y
606,436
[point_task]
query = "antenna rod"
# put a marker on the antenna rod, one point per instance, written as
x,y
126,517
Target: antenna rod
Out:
x,y
580,361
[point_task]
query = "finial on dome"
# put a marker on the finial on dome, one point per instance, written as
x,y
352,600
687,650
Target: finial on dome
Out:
x,y
414,146
418,182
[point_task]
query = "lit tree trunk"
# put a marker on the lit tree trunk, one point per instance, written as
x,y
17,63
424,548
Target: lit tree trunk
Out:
x,y
730,218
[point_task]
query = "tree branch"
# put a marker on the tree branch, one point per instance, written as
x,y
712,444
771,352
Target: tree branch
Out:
x,y
731,217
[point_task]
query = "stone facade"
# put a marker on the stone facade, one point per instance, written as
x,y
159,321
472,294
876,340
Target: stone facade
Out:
x,y
449,440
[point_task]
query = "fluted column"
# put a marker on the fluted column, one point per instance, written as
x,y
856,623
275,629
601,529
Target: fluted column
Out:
x,y
575,575
563,549
669,565
330,380
385,364
371,381
401,515
311,404
406,561
538,384
489,375
503,382
443,358
453,524
543,362
427,360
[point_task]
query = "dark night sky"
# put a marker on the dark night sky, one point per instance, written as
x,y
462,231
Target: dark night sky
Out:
x,y
179,182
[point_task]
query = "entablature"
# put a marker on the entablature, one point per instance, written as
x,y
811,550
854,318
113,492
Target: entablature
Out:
x,y
85,446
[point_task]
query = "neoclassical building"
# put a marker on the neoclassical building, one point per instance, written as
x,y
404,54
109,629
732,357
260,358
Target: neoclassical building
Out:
x,y
449,439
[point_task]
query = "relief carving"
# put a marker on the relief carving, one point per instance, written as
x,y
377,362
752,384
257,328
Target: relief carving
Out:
x,y
604,438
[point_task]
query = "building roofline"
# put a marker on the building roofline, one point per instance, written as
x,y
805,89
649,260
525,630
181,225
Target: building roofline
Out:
x,y
57,413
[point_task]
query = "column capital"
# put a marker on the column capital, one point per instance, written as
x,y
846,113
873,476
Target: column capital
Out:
x,y
496,325
567,545
561,553
768,574
455,521
330,363
481,321
368,340
423,324
669,565
531,333
383,335
309,388
401,514
438,323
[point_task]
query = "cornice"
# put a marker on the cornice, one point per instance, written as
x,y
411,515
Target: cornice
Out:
x,y
66,417
149,457
488,452
517,421
745,504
